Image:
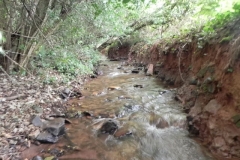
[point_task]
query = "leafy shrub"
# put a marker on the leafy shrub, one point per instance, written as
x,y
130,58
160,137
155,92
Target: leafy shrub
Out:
x,y
66,62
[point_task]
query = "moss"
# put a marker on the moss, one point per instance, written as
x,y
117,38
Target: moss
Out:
x,y
236,118
226,39
202,72
238,124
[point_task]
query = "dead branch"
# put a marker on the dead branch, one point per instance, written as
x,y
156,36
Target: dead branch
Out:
x,y
12,97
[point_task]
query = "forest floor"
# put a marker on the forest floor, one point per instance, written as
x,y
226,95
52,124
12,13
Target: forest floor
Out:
x,y
21,98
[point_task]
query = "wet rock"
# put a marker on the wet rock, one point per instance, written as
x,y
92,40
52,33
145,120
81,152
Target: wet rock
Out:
x,y
67,93
114,88
37,158
103,115
96,93
56,152
85,114
119,67
138,86
109,127
162,92
68,121
135,71
131,107
93,76
56,126
212,107
36,121
150,70
162,124
124,131
124,97
47,137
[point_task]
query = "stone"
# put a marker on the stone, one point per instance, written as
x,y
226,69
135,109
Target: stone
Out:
x,y
124,131
114,88
218,142
12,142
55,126
47,137
138,86
109,127
37,158
211,123
135,71
66,91
93,76
193,81
86,114
36,121
162,124
197,108
34,134
235,151
212,107
124,97
150,70
162,92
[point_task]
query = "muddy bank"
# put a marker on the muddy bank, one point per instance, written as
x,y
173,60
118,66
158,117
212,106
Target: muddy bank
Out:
x,y
207,73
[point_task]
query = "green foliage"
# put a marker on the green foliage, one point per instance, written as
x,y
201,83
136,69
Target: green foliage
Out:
x,y
66,62
226,39
221,19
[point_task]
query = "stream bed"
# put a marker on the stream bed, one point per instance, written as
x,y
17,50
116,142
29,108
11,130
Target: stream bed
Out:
x,y
126,116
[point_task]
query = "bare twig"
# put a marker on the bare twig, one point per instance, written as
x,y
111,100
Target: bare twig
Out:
x,y
21,35
17,64
12,97
9,77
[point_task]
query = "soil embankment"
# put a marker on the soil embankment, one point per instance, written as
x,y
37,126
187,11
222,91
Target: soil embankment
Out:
x,y
207,73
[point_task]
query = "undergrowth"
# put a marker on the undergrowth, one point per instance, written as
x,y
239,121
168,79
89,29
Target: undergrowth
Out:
x,y
63,65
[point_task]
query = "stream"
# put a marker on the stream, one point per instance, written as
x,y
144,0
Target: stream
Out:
x,y
142,120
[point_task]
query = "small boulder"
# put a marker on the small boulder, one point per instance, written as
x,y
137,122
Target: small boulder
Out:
x,y
124,131
55,126
135,71
150,70
37,158
138,86
47,137
36,121
212,107
109,127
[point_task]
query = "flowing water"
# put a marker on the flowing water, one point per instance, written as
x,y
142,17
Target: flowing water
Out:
x,y
151,125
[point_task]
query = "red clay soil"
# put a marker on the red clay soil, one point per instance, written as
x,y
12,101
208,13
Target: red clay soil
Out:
x,y
209,84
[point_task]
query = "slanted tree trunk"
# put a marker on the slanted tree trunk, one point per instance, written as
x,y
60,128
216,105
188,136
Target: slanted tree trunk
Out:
x,y
26,27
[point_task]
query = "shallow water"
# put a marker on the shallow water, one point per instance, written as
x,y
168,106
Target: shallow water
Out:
x,y
151,123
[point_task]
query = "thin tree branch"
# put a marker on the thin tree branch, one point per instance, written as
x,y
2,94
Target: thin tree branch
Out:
x,y
21,35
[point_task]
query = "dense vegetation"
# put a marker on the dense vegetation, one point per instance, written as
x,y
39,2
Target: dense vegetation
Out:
x,y
63,35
